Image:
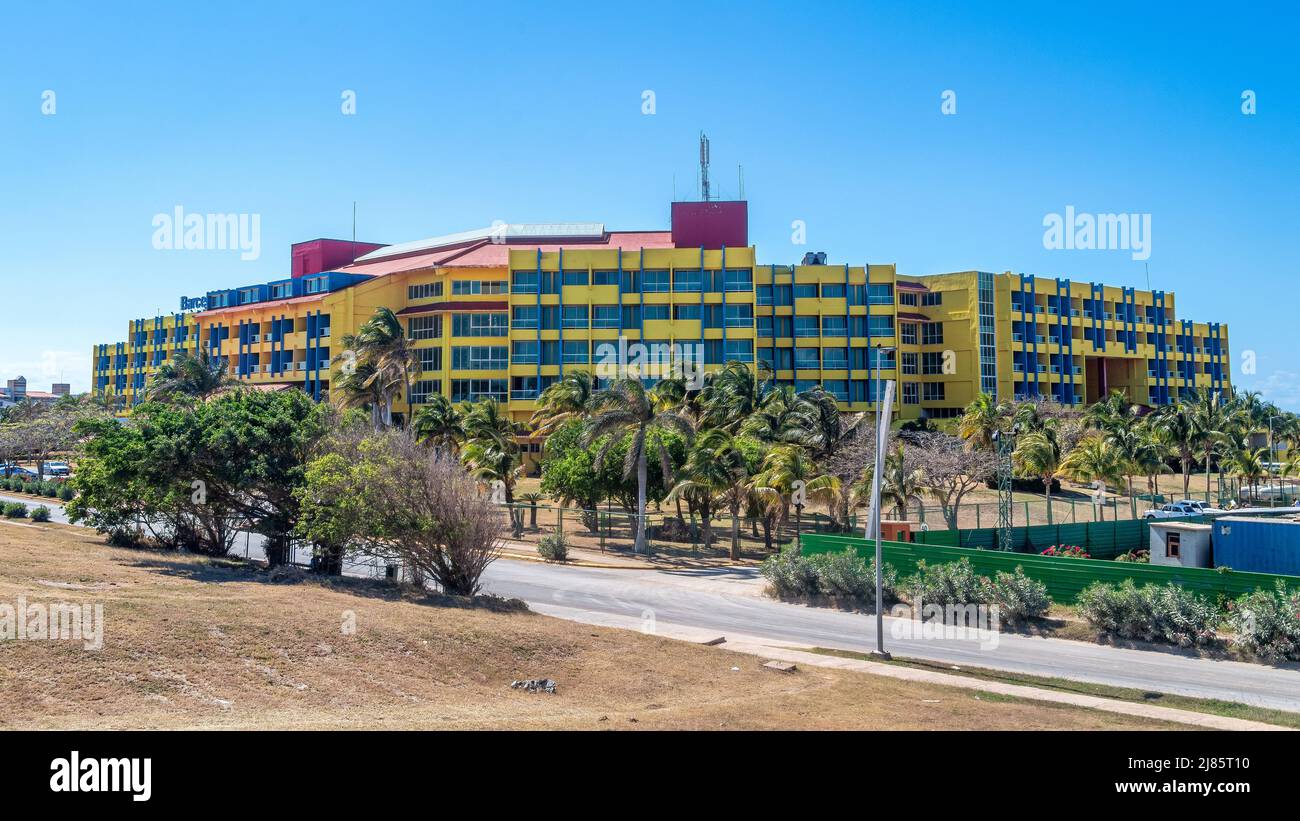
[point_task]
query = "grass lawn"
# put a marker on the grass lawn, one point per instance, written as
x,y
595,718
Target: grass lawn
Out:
x,y
192,643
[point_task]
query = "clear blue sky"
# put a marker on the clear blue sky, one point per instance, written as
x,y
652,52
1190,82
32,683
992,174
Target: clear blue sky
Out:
x,y
486,111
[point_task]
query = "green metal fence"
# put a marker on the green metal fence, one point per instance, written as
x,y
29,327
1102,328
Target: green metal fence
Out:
x,y
1102,540
1064,578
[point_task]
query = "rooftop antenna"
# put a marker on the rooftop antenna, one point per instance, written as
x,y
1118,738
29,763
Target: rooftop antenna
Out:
x,y
354,230
1147,266
740,174
704,167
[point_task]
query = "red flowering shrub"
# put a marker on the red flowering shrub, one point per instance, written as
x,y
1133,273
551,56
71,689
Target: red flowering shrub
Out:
x,y
1068,551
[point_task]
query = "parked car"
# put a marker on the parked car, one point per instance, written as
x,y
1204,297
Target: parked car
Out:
x,y
1203,507
57,469
1174,510
21,472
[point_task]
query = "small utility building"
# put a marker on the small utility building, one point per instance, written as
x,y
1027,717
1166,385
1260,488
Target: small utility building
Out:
x,y
1181,544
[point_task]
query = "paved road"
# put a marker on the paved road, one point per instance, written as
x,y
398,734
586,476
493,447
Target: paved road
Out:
x,y
729,602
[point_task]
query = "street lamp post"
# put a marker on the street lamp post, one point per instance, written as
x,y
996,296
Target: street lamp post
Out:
x,y
882,440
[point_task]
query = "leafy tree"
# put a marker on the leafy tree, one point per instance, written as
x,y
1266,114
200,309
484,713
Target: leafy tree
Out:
x,y
983,417
1039,454
386,357
566,399
438,423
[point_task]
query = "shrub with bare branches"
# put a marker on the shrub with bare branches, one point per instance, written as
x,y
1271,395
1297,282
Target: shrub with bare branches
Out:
x,y
384,495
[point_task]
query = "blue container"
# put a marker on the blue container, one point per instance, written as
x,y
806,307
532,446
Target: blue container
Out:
x,y
1257,545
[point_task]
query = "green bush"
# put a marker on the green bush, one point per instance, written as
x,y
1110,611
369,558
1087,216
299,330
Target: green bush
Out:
x,y
1135,556
66,493
50,489
554,547
41,513
836,575
15,510
949,583
1018,596
1267,624
1152,612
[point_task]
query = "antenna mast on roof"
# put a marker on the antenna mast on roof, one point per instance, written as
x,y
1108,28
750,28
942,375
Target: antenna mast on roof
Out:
x,y
354,230
704,167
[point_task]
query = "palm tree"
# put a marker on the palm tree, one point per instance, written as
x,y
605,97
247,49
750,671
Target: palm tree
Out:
x,y
1097,458
898,485
1249,466
491,451
781,417
626,407
438,423
827,427
532,500
1038,454
790,472
356,387
734,393
1140,449
187,374
381,343
1174,423
1113,413
983,417
716,473
566,399
1211,425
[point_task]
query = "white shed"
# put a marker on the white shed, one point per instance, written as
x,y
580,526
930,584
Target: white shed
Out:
x,y
1181,544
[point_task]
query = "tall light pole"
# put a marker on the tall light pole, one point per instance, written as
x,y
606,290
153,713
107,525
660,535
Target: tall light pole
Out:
x,y
882,444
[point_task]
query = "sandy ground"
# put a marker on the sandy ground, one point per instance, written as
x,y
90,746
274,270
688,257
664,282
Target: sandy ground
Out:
x,y
193,644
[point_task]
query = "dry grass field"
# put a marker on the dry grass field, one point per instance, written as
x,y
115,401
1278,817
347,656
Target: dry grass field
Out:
x,y
189,643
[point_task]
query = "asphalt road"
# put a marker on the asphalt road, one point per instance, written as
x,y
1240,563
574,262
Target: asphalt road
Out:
x,y
728,602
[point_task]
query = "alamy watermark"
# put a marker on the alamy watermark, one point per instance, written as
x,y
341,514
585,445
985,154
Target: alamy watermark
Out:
x,y
1082,231
961,622
181,231
654,360
62,621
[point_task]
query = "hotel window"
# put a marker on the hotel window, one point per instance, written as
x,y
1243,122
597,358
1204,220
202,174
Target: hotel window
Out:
x,y
576,352
739,316
654,312
314,285
805,291
806,326
763,295
579,278
807,357
550,317
764,326
281,291
631,315
837,388
523,353
738,279
575,316
425,327
931,363
911,394
247,295
430,359
739,350
880,326
909,363
906,298
932,391
655,282
931,298
687,311
474,390
932,333
425,388
833,290
836,359
493,324
524,282
604,316
886,359
880,293
425,290
783,294
479,357
687,280
525,316
604,277
779,359
835,326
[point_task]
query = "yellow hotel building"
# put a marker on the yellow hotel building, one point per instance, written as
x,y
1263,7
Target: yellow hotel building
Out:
x,y
504,312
